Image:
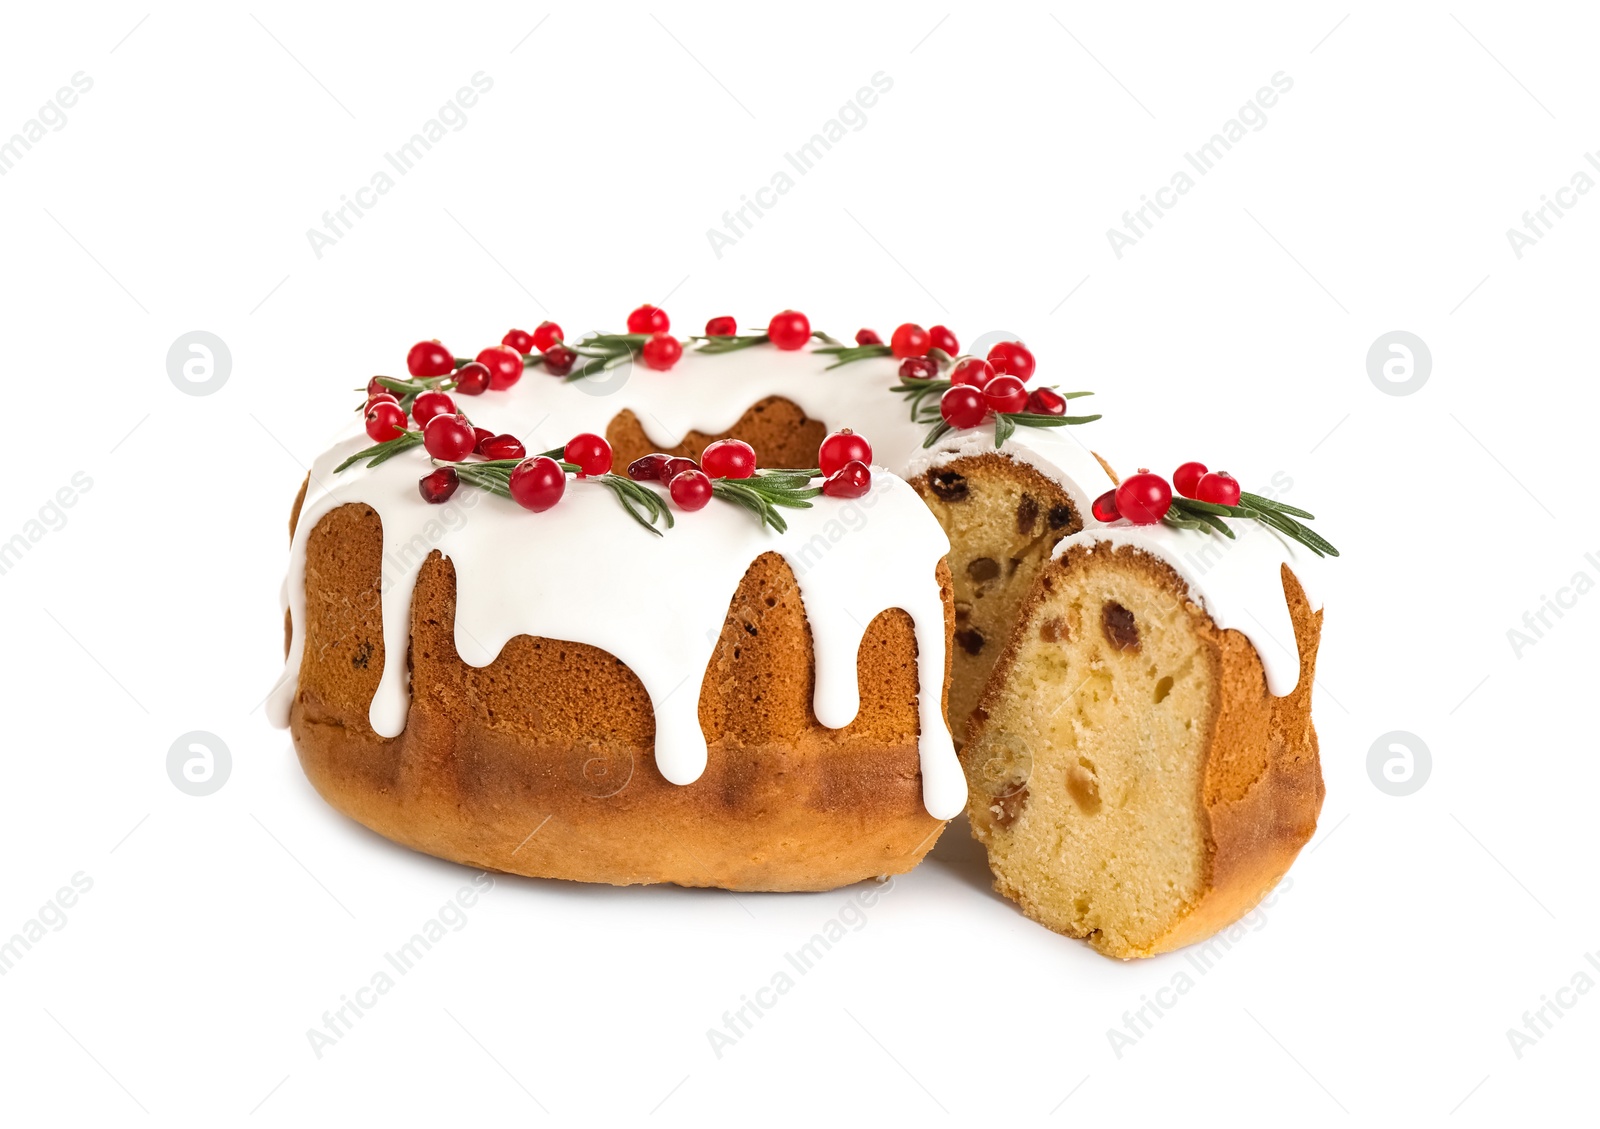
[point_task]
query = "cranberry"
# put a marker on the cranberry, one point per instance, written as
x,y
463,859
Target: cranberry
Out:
x,y
382,398
590,453
519,339
480,436
649,468
1012,357
690,490
942,339
438,486
449,437
504,365
840,448
547,333
649,319
429,358
850,481
1186,479
375,385
1105,507
501,447
721,327
385,421
676,465
661,351
972,370
963,406
429,404
918,368
1006,394
909,341
1046,402
1219,488
1144,498
868,337
728,458
789,330
537,484
473,378
558,360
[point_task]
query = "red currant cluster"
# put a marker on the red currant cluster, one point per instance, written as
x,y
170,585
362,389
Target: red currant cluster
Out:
x,y
1145,498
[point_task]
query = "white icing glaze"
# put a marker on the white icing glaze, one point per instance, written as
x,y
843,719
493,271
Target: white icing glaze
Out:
x,y
1237,582
1058,453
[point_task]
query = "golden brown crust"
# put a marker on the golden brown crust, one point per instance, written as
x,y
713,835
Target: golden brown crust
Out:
x,y
776,427
541,763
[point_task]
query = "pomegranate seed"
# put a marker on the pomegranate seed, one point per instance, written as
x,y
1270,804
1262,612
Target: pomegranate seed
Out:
x,y
547,334
918,368
590,453
504,365
840,448
519,339
963,406
850,481
473,378
649,319
1006,394
1186,479
502,447
430,404
676,465
972,370
1012,357
690,490
789,330
1105,507
942,339
728,458
1144,498
721,327
1046,402
385,421
909,340
558,360
537,484
438,486
661,351
648,468
480,436
429,358
868,337
1219,488
449,438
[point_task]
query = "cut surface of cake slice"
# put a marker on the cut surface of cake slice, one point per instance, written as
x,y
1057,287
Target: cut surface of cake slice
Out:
x,y
1142,768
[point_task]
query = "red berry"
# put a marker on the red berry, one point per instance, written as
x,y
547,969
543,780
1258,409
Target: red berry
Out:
x,y
1186,479
918,368
649,319
558,360
1046,402
789,330
505,366
473,379
676,465
438,486
374,386
590,452
728,458
502,447
648,468
481,435
1012,357
1144,498
430,404
850,481
449,437
909,341
972,370
840,448
382,398
385,421
1105,507
547,333
868,337
690,490
942,339
963,406
519,339
537,484
721,327
1006,394
429,358
661,351
1219,488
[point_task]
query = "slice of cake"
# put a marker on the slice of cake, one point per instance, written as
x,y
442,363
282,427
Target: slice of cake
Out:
x,y
1143,768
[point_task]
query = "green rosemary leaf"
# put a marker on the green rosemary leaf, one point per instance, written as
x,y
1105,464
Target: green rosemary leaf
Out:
x,y
1197,505
1004,427
939,429
1260,503
379,452
1179,521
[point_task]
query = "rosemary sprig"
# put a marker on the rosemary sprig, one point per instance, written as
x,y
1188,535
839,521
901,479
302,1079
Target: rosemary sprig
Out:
x,y
1191,513
846,354
382,452
644,506
767,490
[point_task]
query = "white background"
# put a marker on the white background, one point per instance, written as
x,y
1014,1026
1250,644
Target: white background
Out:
x,y
1416,931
